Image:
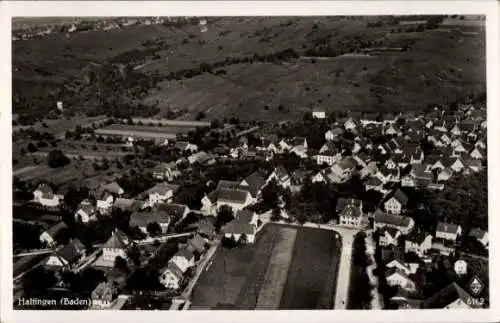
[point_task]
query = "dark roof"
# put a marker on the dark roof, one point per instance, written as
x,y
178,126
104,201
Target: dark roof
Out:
x,y
142,219
446,296
299,141
351,211
391,230
232,196
197,243
370,116
175,270
447,227
184,253
395,220
46,191
373,181
72,251
173,210
112,187
53,230
417,236
393,270
347,163
105,291
238,226
477,233
244,216
119,240
343,202
255,182
400,197
162,188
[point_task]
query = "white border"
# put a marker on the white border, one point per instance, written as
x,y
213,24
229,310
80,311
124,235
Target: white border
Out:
x,y
244,8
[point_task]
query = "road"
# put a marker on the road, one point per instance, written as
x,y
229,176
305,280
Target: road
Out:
x,y
33,253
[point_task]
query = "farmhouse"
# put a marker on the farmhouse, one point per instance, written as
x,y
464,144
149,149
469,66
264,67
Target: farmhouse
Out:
x,y
397,277
480,235
175,212
418,241
161,193
351,213
334,133
242,227
105,202
48,237
374,183
45,196
281,176
397,203
116,246
171,276
448,231
183,259
343,170
389,236
63,258
143,219
103,295
402,223
255,182
86,212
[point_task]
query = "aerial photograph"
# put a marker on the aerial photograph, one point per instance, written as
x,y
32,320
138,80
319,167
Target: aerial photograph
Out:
x,y
249,163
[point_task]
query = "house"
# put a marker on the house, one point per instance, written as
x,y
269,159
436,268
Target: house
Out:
x,y
351,124
255,182
334,133
105,202
391,164
398,277
166,172
281,176
480,143
172,276
45,196
328,157
86,212
368,170
201,158
197,244
318,114
390,130
397,203
183,259
387,174
321,176
227,193
176,212
480,235
451,297
362,159
389,236
402,223
445,175
408,181
113,188
455,130
478,153
48,236
298,177
418,241
116,246
284,145
396,263
448,231
351,213
68,255
342,170
243,224
374,183
104,295
205,228
161,193
186,146
457,165
271,143
143,219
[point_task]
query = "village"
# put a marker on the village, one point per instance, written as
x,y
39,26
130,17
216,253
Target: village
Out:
x,y
148,250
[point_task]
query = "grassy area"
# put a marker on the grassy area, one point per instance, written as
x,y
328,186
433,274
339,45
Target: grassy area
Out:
x,y
287,268
437,68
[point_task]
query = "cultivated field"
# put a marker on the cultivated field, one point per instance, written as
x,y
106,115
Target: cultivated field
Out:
x,y
391,81
58,127
168,132
287,268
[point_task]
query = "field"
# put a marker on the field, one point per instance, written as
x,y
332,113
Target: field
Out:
x,y
440,65
58,127
287,268
168,132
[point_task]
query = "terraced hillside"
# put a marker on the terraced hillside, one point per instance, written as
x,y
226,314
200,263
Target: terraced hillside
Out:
x,y
267,68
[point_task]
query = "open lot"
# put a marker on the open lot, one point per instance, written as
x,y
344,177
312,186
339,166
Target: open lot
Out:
x,y
287,268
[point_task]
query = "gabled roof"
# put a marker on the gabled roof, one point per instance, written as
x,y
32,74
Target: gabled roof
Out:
x,y
119,240
395,220
172,210
197,243
89,209
400,197
244,216
112,187
184,253
105,291
270,139
447,296
373,181
417,236
447,227
232,196
128,204
142,219
395,270
238,227
390,230
255,182
477,233
46,190
53,230
343,202
72,251
281,172
299,141
347,163
351,211
163,188
175,270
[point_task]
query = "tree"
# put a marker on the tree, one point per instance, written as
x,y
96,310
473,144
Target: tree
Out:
x,y
276,214
121,264
37,281
224,215
243,239
154,229
31,148
270,195
56,159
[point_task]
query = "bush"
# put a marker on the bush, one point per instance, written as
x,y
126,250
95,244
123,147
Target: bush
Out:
x,y
57,159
